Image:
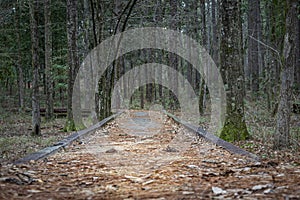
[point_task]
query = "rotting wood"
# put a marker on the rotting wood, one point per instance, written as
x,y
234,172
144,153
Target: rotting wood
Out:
x,y
65,142
214,139
58,112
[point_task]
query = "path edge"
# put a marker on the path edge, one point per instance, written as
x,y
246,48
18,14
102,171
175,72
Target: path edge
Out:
x,y
213,138
47,151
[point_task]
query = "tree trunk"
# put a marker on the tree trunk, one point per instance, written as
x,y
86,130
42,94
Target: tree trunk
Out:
x,y
173,77
204,44
21,85
268,58
158,20
253,56
215,33
276,35
149,86
232,66
101,97
297,69
73,61
93,21
36,117
48,60
117,62
142,97
282,134
141,89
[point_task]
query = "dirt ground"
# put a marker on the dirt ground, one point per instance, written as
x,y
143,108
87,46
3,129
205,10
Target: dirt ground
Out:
x,y
16,140
147,156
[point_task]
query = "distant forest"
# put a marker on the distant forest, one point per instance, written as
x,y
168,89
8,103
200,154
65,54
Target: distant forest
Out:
x,y
254,43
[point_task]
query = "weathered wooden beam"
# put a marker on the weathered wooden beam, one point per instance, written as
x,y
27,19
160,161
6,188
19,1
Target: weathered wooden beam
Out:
x,y
212,138
62,112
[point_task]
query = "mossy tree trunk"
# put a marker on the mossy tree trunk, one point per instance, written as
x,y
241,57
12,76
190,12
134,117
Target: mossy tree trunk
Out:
x,y
73,61
232,70
282,134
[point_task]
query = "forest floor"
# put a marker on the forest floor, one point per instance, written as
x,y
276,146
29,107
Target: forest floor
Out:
x,y
145,155
17,141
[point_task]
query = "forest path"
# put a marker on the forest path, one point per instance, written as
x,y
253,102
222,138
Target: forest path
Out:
x,y
145,155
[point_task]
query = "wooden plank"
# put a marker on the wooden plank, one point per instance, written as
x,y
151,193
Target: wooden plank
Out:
x,y
65,142
62,112
214,139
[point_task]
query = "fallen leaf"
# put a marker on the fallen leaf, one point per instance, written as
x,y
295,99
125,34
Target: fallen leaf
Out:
x,y
259,187
148,182
134,179
217,190
34,191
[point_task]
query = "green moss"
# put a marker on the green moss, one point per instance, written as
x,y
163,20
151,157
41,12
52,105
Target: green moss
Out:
x,y
70,126
234,131
80,126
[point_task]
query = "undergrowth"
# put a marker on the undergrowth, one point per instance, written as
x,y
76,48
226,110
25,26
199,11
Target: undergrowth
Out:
x,y
261,124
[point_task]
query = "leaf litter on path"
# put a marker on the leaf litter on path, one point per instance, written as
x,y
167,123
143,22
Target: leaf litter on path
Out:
x,y
116,163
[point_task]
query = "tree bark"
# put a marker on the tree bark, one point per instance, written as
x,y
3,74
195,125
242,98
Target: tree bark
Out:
x,y
158,20
297,69
173,77
215,33
253,53
204,34
232,67
73,60
282,134
36,117
21,85
94,32
141,88
48,59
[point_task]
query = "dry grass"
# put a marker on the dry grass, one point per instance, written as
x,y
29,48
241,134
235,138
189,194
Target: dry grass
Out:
x,y
16,139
